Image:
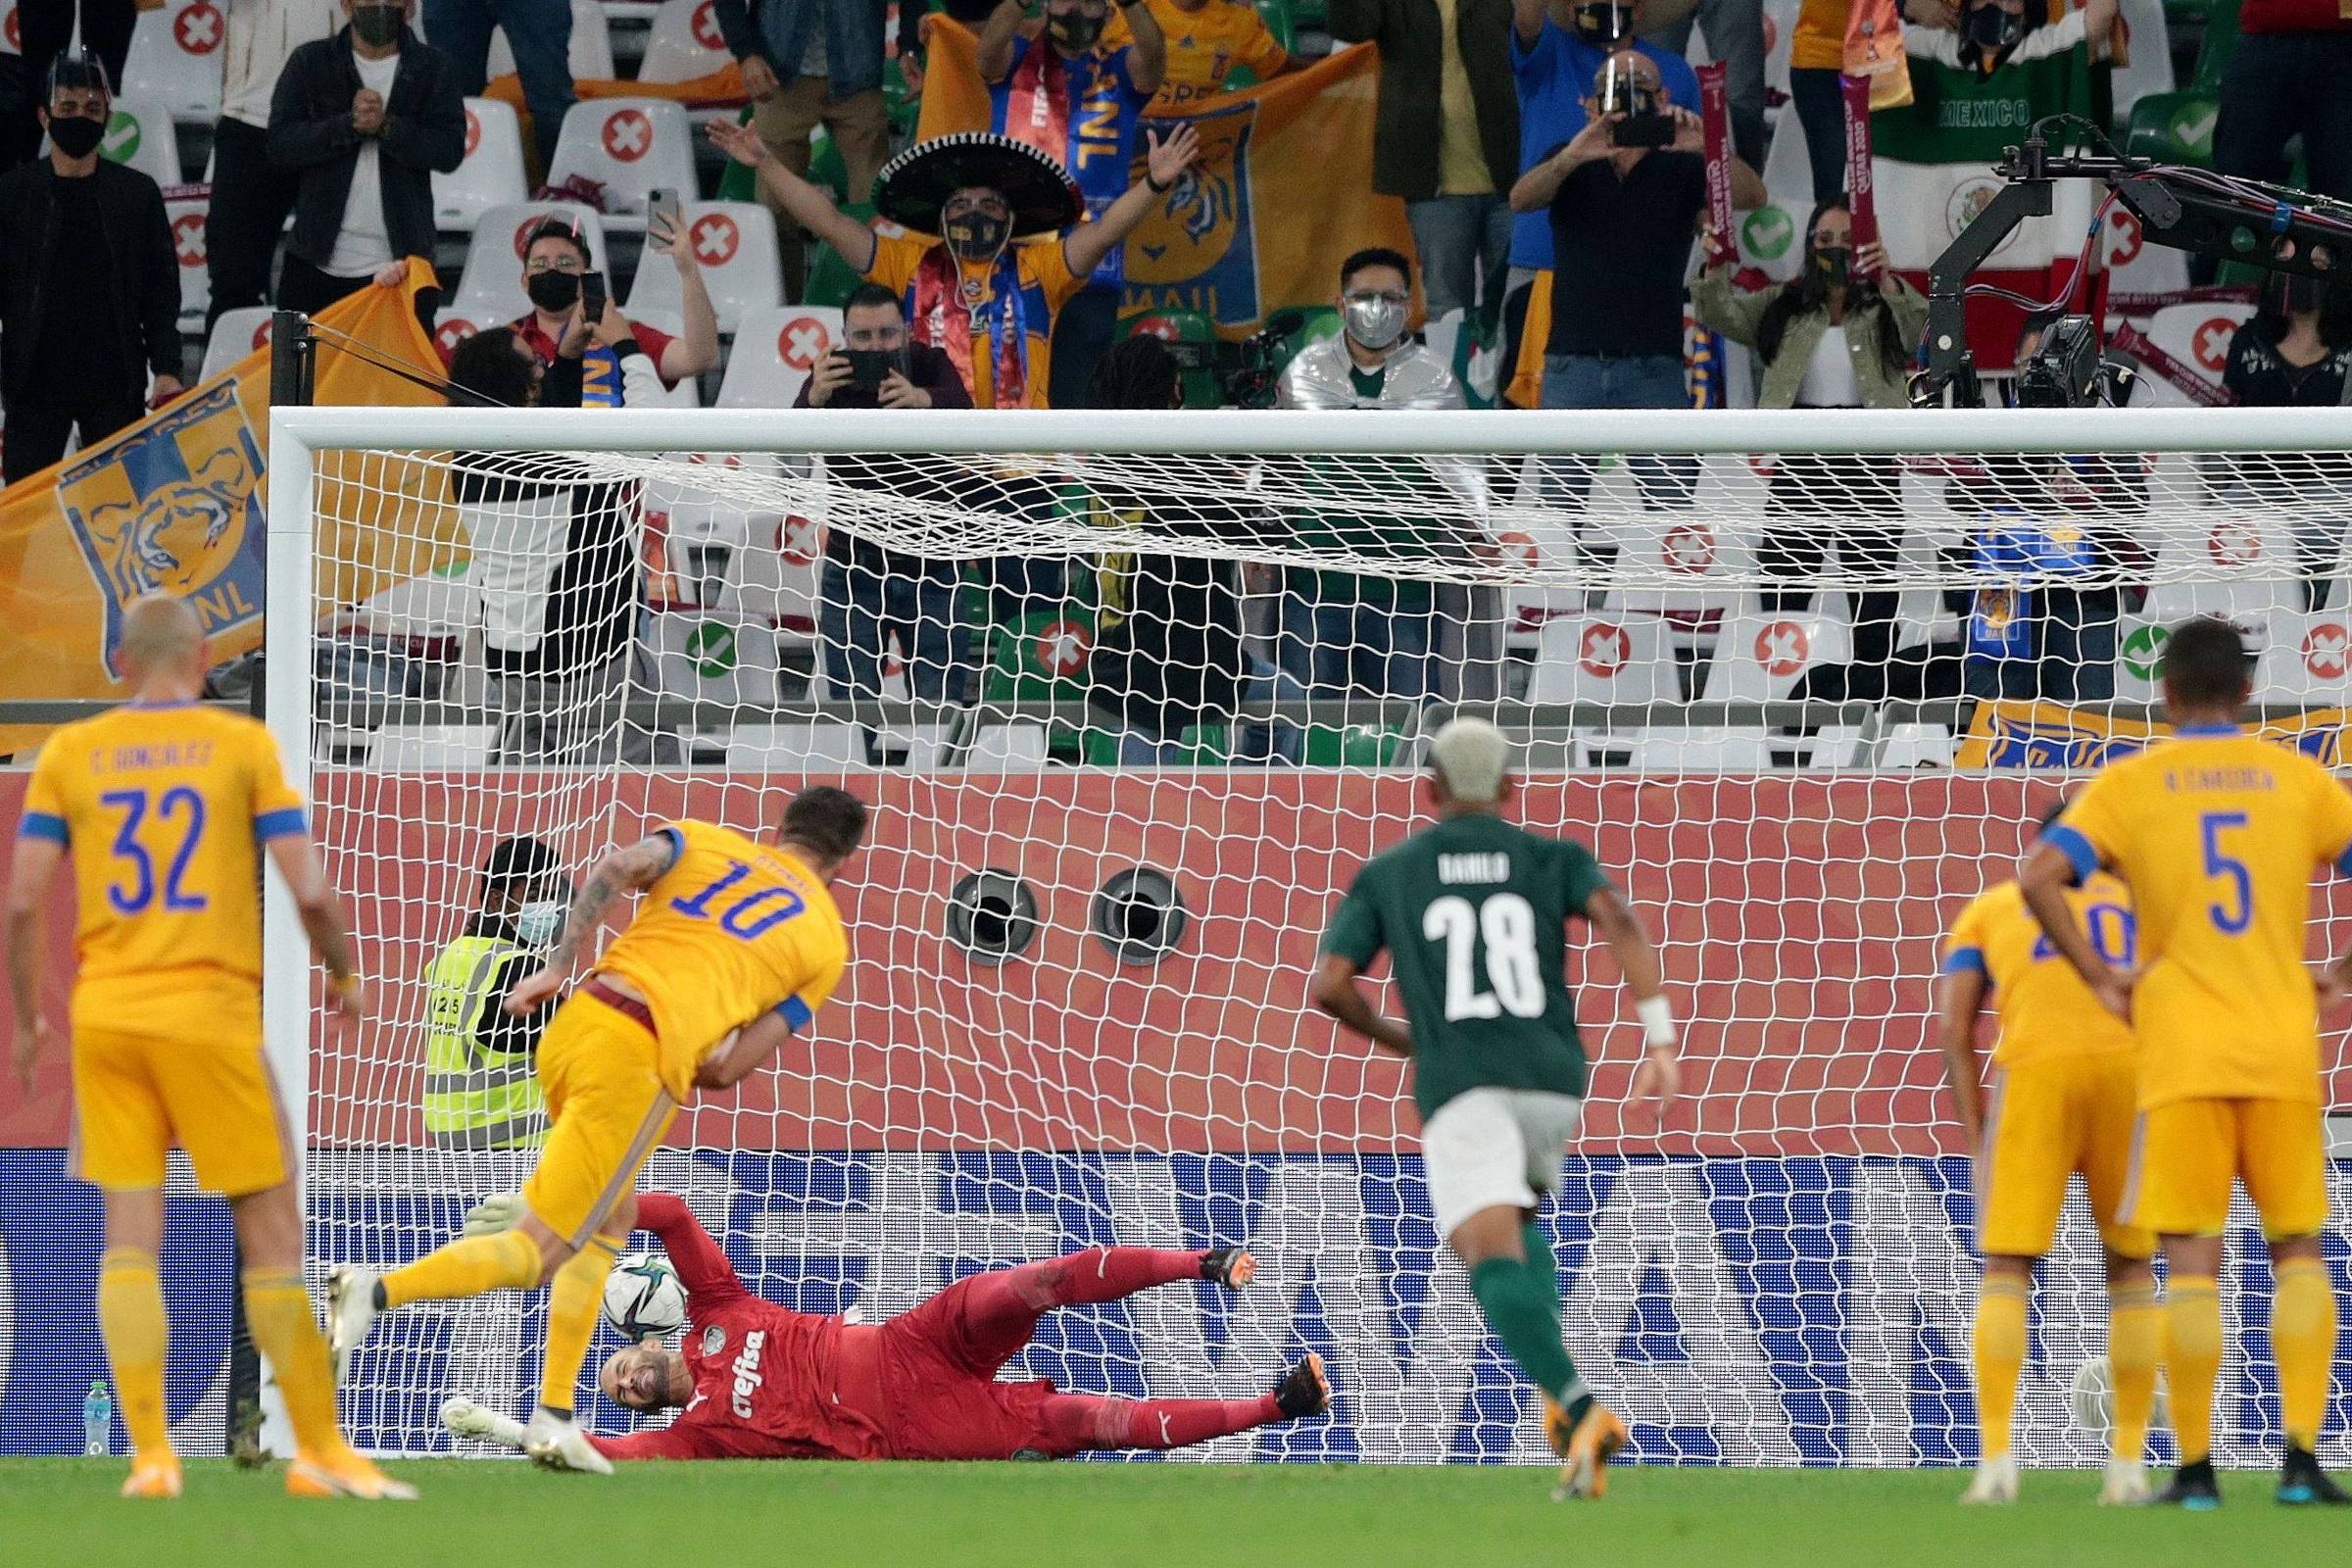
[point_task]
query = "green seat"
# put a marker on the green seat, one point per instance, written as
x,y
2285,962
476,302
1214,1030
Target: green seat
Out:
x,y
1313,14
1281,22
831,281
1205,746
2187,13
1353,746
2173,127
2214,52
1188,327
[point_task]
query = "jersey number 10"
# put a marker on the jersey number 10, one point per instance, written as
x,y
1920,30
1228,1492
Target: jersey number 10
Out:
x,y
749,915
1507,921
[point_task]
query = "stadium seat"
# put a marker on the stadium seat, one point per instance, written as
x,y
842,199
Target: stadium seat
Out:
x,y
1602,659
237,333
2215,48
2198,336
140,136
712,658
775,350
492,174
491,288
796,749
1444,336
2173,127
2235,542
736,242
684,44
632,147
186,216
1762,653
429,747
1280,22
831,281
2308,659
1007,749
2151,68
2256,606
1750,750
1903,746
591,52
175,59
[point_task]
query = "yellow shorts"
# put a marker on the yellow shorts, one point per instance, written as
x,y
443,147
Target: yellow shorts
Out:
x,y
134,1096
606,1112
2049,1120
2183,1155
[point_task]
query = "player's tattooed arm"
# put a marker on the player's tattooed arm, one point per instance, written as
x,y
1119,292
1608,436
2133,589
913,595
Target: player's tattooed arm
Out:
x,y
625,869
1335,992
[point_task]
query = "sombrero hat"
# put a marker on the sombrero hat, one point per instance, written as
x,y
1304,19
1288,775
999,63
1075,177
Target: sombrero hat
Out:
x,y
913,186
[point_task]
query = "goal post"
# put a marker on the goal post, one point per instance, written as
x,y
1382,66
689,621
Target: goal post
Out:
x,y
1074,1010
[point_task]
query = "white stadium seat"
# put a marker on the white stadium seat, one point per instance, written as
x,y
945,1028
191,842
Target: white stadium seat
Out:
x,y
631,147
175,59
710,658
774,350
796,749
2308,659
2150,68
1007,749
736,243
238,333
492,174
186,216
685,43
428,747
491,289
1762,653
590,56
1602,659
2198,336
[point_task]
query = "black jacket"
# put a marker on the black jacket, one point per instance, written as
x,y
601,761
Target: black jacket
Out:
x,y
1412,60
141,273
310,131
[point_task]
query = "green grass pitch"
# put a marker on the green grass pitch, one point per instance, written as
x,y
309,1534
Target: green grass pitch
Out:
x,y
785,1515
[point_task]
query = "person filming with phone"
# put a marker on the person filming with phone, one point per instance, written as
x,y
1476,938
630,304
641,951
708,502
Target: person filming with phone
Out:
x,y
867,595
567,295
1625,195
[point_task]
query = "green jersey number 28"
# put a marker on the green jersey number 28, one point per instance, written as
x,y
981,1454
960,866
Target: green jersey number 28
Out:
x,y
1513,982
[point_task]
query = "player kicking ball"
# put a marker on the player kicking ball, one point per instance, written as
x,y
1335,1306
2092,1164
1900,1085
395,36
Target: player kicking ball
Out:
x,y
1473,914
733,948
2064,1076
2216,832
759,1381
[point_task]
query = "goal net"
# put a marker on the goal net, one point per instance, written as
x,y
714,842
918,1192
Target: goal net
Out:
x,y
1130,697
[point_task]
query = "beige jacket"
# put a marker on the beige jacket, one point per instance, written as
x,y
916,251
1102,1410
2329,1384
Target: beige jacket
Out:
x,y
1736,314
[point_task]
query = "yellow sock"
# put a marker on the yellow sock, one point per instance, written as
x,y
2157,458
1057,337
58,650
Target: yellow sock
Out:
x,y
277,1311
2192,1358
2000,1354
2303,1339
130,1319
571,1307
2134,1344
508,1260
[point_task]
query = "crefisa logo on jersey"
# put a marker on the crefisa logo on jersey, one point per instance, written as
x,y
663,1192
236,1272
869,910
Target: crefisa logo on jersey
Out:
x,y
173,508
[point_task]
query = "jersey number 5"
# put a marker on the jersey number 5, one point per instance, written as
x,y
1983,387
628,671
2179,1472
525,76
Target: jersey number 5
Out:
x,y
749,915
1507,921
2234,910
132,893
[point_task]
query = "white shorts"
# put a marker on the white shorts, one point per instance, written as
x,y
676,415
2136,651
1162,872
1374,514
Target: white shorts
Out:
x,y
1495,1149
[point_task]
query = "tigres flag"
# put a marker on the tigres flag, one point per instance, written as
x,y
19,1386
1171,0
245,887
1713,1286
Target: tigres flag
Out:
x,y
2051,735
1282,194
173,503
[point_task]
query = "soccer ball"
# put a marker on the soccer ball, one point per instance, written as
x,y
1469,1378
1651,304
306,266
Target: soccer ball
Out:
x,y
2093,1398
643,1298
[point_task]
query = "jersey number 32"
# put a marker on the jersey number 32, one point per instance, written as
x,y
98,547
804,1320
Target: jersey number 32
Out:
x,y
1512,984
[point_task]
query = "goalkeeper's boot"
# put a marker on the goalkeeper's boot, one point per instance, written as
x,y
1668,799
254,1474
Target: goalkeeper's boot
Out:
x,y
2301,1481
157,1477
466,1419
340,1472
1304,1389
2126,1486
1587,1444
558,1443
2191,1487
1995,1481
351,1312
1229,1266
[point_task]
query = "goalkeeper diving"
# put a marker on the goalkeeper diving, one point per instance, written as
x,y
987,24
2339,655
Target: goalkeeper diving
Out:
x,y
760,1381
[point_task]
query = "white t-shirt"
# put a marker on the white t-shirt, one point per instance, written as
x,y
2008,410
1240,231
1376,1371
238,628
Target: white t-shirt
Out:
x,y
262,34
1830,382
362,246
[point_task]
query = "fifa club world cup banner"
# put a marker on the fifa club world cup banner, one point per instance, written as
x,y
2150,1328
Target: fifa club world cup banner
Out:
x,y
1782,1277
1282,195
173,503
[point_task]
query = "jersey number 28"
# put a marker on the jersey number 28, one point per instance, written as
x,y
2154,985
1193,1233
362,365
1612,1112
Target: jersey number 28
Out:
x,y
1507,921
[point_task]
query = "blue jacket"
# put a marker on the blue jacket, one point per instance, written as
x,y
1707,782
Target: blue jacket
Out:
x,y
779,34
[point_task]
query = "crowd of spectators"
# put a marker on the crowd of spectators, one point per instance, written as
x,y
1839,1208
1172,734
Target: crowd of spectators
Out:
x,y
998,281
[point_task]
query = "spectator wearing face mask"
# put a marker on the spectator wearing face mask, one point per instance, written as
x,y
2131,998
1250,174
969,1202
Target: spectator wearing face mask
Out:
x,y
367,118
1067,88
2296,353
480,1085
89,285
1622,221
996,247
2290,74
1828,339
556,259
1987,35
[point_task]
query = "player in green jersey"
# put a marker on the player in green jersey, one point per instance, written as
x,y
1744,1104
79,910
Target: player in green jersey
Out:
x,y
1473,912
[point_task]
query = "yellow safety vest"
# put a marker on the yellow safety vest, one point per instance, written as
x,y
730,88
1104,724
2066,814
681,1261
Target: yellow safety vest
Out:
x,y
475,1099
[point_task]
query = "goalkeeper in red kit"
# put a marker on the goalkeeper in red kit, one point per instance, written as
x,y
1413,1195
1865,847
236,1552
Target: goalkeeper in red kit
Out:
x,y
759,1381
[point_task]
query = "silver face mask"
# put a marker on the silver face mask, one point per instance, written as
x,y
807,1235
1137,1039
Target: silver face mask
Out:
x,y
537,924
1375,323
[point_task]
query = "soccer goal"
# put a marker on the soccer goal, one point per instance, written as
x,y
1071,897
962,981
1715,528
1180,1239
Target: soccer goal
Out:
x,y
1132,695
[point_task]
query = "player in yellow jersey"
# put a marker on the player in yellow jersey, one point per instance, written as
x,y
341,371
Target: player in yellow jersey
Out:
x,y
732,935
2062,1097
167,807
2216,833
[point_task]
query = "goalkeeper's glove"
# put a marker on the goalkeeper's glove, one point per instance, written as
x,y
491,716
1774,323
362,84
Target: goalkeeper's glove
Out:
x,y
469,1420
499,1212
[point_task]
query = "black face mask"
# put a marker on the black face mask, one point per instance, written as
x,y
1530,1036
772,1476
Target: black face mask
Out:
x,y
75,136
552,291
977,236
1834,264
1076,31
1991,28
375,26
1603,25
